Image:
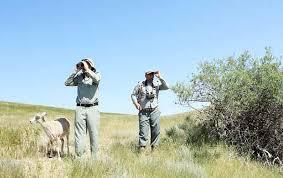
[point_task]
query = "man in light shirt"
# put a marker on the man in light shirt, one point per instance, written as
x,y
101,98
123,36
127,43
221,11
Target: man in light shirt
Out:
x,y
145,98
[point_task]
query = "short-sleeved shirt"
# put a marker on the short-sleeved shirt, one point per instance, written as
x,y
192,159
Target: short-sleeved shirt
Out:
x,y
144,87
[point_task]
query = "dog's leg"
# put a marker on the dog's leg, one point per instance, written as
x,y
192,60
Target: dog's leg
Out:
x,y
51,149
58,148
47,149
62,146
68,143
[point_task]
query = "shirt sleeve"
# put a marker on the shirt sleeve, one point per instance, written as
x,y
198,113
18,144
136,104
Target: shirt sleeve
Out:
x,y
135,93
72,80
96,76
163,84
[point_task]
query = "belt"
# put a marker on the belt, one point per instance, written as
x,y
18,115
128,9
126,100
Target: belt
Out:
x,y
148,109
87,105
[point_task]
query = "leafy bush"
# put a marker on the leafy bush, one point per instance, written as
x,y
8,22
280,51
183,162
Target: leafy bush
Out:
x,y
193,131
245,96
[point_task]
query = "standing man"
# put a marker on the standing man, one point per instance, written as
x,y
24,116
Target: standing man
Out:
x,y
145,99
87,117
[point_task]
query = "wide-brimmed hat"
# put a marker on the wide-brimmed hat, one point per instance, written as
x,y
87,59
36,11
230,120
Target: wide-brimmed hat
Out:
x,y
150,72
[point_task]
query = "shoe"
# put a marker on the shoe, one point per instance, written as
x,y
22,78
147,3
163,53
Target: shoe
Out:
x,y
142,149
153,148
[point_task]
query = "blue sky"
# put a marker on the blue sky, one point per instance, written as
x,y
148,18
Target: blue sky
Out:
x,y
40,42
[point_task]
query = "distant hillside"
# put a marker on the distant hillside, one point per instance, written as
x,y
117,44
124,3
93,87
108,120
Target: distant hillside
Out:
x,y
19,110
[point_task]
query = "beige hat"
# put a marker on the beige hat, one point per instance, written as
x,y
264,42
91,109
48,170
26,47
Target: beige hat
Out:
x,y
90,62
150,72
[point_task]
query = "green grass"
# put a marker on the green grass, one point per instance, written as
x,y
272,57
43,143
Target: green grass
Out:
x,y
118,154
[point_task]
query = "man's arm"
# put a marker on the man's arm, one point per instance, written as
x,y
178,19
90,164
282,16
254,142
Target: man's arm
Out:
x,y
134,96
163,85
96,77
72,80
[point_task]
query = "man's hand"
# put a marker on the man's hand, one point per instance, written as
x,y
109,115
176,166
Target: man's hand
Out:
x,y
157,74
138,106
77,68
85,66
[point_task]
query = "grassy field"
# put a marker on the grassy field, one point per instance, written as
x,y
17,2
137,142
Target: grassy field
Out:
x,y
118,155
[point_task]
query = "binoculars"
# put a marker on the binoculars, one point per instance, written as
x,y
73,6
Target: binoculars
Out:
x,y
80,65
150,95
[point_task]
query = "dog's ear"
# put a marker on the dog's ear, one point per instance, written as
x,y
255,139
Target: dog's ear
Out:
x,y
43,116
37,116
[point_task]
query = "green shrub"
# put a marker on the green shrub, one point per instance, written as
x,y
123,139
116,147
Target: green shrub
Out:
x,y
245,102
193,132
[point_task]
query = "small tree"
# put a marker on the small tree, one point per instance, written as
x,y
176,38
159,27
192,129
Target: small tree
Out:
x,y
246,101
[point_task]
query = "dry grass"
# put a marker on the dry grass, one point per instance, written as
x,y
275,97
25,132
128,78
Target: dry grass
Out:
x,y
118,155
